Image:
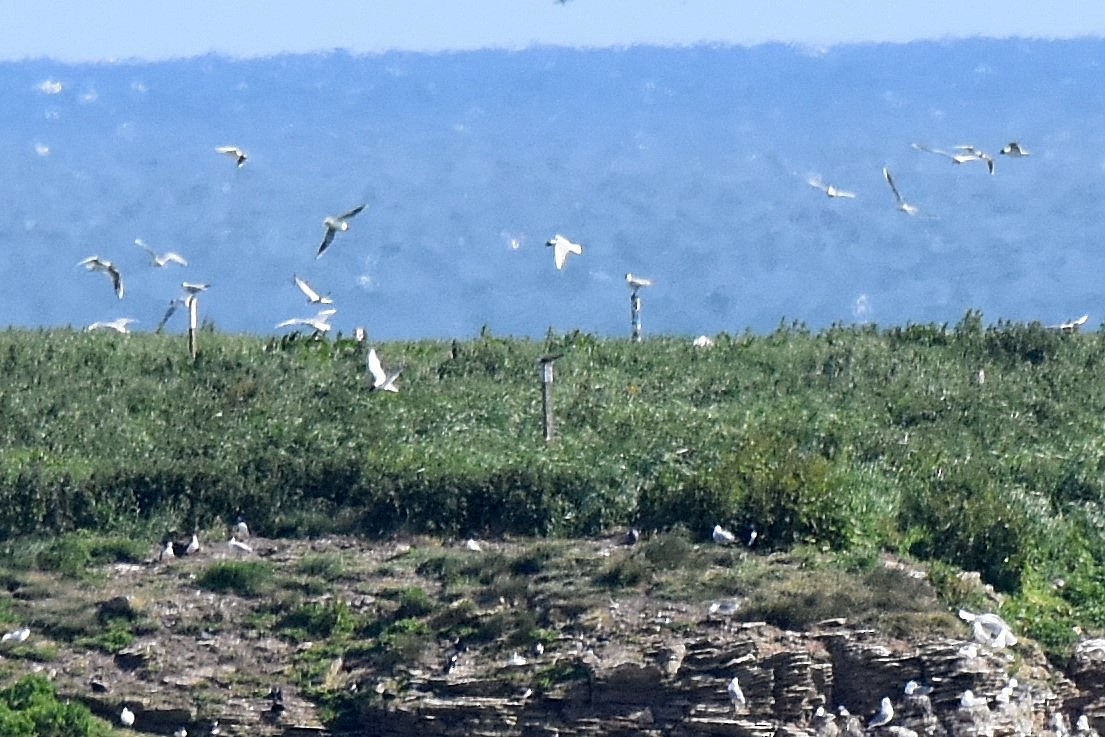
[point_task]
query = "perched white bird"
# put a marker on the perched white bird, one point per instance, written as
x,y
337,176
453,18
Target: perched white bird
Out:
x,y
320,323
236,153
381,379
725,607
238,547
516,659
193,288
193,545
736,695
126,717
312,296
95,263
989,629
637,282
333,225
561,248
1015,150
703,341
160,259
16,636
904,206
884,714
241,529
180,732
473,545
1083,724
968,700
722,536
829,189
167,553
913,688
119,325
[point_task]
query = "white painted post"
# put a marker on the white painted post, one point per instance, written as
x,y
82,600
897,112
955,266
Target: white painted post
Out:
x,y
193,322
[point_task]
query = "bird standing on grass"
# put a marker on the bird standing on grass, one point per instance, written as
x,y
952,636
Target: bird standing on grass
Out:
x,y
722,536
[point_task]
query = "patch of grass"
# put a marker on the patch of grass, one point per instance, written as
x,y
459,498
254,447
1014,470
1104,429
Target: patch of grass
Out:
x,y
328,567
330,619
245,578
112,641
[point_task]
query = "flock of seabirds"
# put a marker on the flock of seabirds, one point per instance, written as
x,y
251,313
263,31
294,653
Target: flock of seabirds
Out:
x,y
988,630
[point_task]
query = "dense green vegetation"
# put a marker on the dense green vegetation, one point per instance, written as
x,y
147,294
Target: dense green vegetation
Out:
x,y
30,708
854,439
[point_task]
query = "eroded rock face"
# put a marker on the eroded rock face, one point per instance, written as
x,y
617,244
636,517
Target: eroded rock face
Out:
x,y
678,687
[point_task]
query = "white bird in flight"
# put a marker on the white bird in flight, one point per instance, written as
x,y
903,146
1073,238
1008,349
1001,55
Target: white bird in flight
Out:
x,y
381,379
1015,150
561,248
95,263
320,323
904,206
160,259
335,224
966,153
236,153
722,536
884,715
119,325
829,189
313,297
637,282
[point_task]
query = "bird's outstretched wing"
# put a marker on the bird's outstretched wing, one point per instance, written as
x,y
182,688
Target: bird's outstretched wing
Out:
x,y
352,212
327,239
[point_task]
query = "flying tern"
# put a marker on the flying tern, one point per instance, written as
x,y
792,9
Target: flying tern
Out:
x,y
1015,150
119,325
333,225
904,206
320,322
160,259
381,379
561,248
95,263
637,282
236,153
829,189
313,297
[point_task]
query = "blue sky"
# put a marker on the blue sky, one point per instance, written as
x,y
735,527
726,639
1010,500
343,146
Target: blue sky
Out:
x,y
124,29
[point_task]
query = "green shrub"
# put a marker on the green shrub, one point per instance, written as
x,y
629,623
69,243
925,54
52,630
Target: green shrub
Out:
x,y
30,708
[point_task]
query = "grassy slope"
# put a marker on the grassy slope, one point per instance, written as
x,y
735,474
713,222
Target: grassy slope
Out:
x,y
850,439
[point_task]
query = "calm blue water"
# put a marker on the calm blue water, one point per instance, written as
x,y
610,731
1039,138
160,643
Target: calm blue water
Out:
x,y
688,166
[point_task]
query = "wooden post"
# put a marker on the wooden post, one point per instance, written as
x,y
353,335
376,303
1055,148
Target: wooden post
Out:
x,y
546,393
635,315
193,320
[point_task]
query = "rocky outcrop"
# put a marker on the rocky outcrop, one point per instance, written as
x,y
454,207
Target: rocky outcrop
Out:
x,y
677,687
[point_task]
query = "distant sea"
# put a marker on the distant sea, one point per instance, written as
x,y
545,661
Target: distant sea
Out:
x,y
689,166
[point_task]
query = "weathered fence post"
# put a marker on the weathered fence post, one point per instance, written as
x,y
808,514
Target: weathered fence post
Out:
x,y
635,315
546,393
